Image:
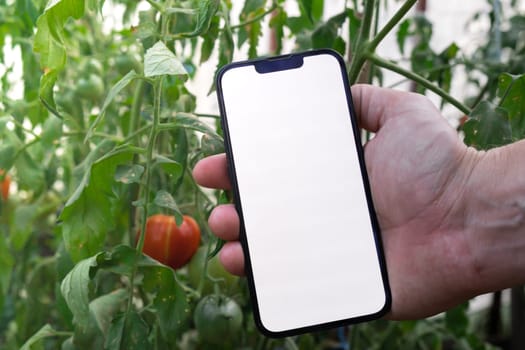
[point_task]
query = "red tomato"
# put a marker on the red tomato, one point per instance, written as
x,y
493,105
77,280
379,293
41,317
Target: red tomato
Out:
x,y
6,182
171,245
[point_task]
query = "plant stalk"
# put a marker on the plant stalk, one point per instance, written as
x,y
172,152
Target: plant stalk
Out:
x,y
157,93
362,41
364,45
396,18
418,79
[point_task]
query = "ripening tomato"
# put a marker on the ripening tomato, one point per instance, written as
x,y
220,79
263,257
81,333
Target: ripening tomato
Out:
x,y
6,182
171,245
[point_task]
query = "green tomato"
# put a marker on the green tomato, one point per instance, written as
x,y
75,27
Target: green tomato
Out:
x,y
93,66
227,282
127,62
65,101
91,88
218,319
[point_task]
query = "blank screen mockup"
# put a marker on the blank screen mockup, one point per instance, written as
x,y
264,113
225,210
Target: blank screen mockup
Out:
x,y
308,228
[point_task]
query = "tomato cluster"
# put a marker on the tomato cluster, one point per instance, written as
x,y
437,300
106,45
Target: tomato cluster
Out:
x,y
170,244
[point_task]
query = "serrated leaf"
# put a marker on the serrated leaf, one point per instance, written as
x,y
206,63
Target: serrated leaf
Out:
x,y
87,216
113,92
45,332
159,60
129,173
164,199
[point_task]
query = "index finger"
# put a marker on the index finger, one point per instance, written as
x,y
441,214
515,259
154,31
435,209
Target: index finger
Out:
x,y
212,172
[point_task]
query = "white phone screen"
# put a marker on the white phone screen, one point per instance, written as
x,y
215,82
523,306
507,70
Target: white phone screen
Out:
x,y
311,243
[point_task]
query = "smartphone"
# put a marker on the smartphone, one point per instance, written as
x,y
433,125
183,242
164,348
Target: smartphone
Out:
x,y
309,232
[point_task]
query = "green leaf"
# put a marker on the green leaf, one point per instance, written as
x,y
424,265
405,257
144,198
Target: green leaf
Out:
x,y
75,289
192,122
170,166
354,23
277,23
45,91
312,9
211,145
170,301
6,267
30,173
488,126
209,39
325,35
164,199
159,60
49,42
51,131
129,173
226,47
456,320
8,154
510,91
87,216
113,92
147,25
106,306
205,13
128,331
403,32
23,225
45,332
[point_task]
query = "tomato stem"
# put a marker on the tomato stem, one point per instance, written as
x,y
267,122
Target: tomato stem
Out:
x,y
380,62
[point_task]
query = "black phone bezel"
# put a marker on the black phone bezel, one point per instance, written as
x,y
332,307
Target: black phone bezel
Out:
x,y
294,61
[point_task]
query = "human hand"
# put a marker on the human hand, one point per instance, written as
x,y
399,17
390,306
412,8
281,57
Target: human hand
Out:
x,y
418,169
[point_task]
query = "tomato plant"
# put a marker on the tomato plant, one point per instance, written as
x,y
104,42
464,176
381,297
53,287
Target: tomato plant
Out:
x,y
170,244
100,126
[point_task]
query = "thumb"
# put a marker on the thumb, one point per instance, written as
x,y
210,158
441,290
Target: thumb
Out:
x,y
373,105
